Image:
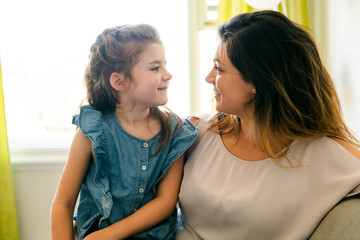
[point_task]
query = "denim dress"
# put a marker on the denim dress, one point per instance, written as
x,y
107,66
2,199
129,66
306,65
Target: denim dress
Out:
x,y
125,174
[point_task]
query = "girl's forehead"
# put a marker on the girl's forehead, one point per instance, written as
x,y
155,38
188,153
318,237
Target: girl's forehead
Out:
x,y
152,46
152,53
151,49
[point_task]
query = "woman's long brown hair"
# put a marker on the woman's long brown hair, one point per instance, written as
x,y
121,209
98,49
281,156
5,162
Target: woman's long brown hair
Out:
x,y
295,95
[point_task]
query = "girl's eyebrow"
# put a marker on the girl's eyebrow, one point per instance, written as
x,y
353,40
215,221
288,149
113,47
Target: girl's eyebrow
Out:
x,y
157,62
216,60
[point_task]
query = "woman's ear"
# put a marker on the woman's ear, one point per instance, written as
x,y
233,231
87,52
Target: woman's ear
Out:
x,y
118,81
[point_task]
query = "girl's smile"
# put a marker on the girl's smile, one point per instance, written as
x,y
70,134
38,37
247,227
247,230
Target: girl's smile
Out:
x,y
149,78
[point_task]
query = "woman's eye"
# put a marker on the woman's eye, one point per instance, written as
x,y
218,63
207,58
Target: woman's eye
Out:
x,y
217,69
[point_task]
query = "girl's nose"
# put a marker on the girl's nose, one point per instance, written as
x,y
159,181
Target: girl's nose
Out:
x,y
167,75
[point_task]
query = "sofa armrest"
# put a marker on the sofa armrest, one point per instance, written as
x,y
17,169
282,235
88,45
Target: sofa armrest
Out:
x,y
341,222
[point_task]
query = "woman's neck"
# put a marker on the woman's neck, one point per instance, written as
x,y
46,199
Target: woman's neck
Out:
x,y
247,139
247,131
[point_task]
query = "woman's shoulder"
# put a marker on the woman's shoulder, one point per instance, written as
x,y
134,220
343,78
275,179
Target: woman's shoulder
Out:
x,y
348,146
331,147
204,117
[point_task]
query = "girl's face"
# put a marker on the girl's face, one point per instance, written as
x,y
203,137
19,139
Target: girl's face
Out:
x,y
149,78
232,93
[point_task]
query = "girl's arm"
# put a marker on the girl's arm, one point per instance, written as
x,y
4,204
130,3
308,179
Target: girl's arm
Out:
x,y
62,208
152,213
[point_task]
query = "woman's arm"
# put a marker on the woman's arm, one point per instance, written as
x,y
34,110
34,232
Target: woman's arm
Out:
x,y
62,208
152,213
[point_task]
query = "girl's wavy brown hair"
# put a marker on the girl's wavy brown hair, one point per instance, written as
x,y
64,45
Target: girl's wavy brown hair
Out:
x,y
295,96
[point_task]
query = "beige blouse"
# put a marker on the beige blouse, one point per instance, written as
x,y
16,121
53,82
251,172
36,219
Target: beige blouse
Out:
x,y
223,197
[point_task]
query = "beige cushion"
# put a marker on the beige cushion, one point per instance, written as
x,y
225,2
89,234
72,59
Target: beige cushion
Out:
x,y
341,223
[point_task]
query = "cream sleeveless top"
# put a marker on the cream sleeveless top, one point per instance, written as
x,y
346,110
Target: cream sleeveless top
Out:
x,y
223,197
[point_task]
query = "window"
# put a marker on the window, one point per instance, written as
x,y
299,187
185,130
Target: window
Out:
x,y
44,47
202,35
207,45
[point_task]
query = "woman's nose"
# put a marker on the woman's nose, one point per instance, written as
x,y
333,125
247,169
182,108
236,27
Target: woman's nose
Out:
x,y
210,78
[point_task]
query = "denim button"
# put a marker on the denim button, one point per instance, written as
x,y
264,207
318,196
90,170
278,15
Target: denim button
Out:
x,y
146,145
143,167
141,190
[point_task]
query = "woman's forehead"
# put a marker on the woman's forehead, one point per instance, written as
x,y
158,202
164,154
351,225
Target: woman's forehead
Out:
x,y
221,54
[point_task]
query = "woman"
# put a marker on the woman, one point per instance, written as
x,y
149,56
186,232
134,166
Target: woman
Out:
x,y
277,156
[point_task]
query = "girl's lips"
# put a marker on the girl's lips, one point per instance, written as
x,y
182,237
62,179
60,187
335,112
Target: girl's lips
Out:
x,y
162,88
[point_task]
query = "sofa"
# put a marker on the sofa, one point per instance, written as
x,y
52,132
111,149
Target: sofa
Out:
x,y
341,223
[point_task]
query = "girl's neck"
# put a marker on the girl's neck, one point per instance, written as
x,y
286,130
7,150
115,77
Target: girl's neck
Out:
x,y
132,117
140,124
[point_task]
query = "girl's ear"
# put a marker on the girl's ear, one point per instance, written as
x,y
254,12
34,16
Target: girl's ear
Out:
x,y
118,81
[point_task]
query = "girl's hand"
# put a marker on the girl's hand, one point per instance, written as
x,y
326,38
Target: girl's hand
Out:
x,y
76,237
100,235
162,206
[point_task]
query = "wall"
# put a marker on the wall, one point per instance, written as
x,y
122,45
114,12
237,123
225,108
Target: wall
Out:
x,y
35,186
344,56
336,27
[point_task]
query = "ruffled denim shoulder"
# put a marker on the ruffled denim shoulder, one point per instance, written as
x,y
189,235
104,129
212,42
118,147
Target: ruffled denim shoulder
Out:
x,y
91,125
181,140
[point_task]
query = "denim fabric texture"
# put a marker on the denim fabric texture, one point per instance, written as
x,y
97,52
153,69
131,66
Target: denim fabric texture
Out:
x,y
125,175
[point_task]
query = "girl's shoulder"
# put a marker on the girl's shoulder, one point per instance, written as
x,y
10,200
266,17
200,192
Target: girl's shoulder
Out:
x,y
181,126
89,120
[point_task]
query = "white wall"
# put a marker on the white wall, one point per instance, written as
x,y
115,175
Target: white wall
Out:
x,y
336,27
344,56
35,186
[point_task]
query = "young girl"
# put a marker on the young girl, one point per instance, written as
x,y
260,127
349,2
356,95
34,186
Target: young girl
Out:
x,y
126,158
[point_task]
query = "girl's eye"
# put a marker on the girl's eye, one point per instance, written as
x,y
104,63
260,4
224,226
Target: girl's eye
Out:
x,y
155,69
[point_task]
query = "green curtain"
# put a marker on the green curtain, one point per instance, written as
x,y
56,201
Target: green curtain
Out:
x,y
8,221
229,8
296,10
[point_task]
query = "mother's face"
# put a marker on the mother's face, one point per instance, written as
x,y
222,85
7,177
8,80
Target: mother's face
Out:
x,y
232,92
